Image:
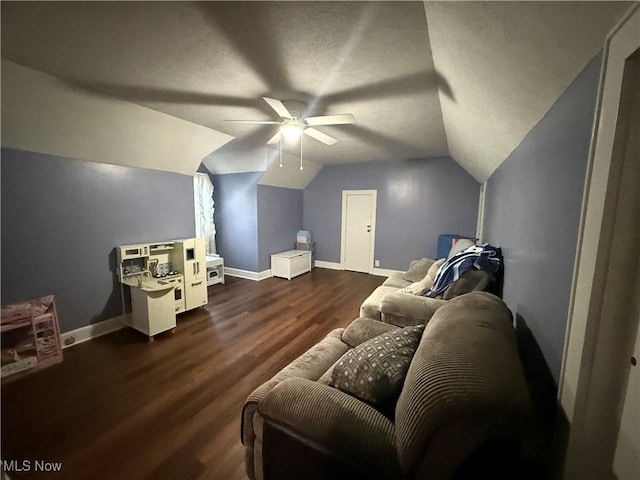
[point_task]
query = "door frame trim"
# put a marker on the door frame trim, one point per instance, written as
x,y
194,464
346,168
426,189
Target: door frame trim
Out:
x,y
343,228
594,242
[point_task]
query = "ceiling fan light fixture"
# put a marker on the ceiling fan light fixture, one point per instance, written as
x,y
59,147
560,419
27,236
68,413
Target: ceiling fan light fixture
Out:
x,y
290,131
293,124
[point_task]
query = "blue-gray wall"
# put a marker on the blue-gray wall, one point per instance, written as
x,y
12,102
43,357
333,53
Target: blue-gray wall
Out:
x,y
533,212
236,218
279,219
417,201
62,218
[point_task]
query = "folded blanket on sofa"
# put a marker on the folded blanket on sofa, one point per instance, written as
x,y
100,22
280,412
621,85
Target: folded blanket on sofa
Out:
x,y
478,257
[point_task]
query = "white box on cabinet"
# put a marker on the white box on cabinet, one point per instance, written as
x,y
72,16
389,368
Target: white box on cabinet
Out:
x,y
303,236
291,263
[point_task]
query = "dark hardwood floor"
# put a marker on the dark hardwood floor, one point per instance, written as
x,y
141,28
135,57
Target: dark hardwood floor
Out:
x,y
120,408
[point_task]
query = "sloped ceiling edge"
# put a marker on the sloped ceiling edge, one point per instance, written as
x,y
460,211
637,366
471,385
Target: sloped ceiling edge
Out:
x,y
42,113
507,63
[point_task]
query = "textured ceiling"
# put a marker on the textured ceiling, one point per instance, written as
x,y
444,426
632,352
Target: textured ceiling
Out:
x,y
508,62
500,66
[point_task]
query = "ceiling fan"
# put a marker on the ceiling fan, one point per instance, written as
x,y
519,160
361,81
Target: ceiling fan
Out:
x,y
293,123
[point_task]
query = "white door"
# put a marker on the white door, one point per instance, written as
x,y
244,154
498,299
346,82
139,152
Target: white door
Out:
x,y
626,463
358,229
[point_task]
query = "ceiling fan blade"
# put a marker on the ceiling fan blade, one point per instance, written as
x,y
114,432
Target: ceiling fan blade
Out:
x,y
331,119
260,122
278,106
318,135
274,139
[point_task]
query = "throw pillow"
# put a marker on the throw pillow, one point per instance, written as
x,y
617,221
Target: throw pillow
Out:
x,y
374,371
418,269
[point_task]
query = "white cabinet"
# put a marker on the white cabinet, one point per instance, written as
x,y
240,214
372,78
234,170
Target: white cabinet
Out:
x,y
291,263
153,311
196,294
189,258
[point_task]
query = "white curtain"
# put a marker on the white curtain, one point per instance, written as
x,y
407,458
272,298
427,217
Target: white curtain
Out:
x,y
203,201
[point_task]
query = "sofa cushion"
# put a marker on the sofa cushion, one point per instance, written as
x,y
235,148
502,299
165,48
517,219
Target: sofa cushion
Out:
x,y
370,308
363,329
374,371
433,271
418,269
404,310
396,280
418,288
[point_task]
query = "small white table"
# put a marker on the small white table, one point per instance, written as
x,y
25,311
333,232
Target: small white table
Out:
x,y
291,263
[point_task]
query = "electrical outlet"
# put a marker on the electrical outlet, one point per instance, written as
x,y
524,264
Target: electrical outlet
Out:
x,y
377,263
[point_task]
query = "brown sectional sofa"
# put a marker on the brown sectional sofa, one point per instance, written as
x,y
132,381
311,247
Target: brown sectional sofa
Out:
x,y
392,303
463,404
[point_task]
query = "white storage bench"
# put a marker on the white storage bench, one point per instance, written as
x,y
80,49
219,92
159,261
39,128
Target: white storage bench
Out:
x,y
291,263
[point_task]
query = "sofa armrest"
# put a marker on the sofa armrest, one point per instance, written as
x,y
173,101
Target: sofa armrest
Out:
x,y
404,309
312,365
362,329
332,422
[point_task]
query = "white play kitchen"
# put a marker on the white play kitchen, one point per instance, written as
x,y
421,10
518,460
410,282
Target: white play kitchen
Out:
x,y
166,278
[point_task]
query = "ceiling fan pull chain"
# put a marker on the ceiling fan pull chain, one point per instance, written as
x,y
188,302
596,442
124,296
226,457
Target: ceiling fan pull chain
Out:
x,y
280,151
301,153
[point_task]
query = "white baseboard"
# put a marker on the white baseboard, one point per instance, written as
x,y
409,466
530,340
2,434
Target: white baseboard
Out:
x,y
264,274
329,265
257,276
383,272
82,334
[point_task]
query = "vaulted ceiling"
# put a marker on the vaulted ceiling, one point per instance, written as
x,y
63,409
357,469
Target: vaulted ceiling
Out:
x,y
465,79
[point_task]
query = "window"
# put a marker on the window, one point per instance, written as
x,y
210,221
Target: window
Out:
x,y
203,202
